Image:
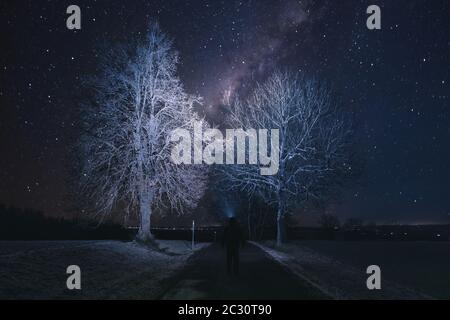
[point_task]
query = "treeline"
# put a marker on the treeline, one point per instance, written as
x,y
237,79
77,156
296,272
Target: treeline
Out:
x,y
29,224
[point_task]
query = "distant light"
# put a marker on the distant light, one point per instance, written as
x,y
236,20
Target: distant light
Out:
x,y
438,235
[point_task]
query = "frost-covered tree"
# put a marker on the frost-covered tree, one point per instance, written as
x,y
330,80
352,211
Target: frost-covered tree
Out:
x,y
138,100
313,141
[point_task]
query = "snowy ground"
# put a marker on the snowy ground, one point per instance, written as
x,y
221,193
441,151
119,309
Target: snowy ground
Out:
x,y
126,270
109,269
410,270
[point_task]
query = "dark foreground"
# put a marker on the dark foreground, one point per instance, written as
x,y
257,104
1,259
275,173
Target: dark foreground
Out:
x,y
126,270
305,270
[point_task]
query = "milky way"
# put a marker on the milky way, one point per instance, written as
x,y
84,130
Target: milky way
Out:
x,y
394,81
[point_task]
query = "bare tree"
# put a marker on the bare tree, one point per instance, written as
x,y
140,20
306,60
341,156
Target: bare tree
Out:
x,y
138,101
313,140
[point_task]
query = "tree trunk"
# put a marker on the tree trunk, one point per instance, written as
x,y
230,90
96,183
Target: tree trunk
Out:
x,y
249,222
145,212
281,228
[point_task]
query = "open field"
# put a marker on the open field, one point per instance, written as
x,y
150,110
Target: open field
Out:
x,y
109,269
409,269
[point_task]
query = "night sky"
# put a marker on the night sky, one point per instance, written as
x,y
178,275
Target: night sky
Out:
x,y
394,81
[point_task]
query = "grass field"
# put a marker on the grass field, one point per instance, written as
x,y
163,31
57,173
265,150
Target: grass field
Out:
x,y
409,269
109,269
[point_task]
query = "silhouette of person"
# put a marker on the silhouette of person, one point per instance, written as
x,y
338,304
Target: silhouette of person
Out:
x,y
233,238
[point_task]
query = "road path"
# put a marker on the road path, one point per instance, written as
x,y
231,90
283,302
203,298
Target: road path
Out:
x,y
260,277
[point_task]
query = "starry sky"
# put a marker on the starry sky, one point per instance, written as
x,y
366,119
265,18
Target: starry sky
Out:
x,y
395,82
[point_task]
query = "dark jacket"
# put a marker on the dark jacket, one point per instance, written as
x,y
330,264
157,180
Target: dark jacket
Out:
x,y
233,236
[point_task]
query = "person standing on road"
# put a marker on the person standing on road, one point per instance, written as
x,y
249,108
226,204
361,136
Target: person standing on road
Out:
x,y
233,239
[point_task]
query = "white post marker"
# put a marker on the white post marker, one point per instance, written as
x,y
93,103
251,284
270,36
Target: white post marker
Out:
x,y
193,230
